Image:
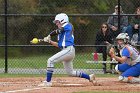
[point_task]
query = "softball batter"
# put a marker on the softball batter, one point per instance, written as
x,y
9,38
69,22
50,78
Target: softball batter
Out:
x,y
130,59
66,55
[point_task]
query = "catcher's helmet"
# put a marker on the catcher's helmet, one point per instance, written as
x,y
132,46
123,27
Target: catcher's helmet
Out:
x,y
62,17
124,37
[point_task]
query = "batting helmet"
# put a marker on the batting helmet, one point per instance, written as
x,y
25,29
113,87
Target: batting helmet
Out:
x,y
62,17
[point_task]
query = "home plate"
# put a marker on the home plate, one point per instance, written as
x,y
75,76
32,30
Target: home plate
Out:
x,y
73,85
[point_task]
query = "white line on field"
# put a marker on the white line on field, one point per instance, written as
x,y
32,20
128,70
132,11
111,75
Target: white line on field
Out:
x,y
24,90
72,84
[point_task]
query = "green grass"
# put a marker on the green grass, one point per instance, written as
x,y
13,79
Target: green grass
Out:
x,y
105,92
7,75
40,61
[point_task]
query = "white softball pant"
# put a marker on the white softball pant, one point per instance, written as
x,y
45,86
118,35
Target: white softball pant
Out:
x,y
66,56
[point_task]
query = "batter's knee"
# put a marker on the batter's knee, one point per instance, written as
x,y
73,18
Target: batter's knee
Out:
x,y
50,63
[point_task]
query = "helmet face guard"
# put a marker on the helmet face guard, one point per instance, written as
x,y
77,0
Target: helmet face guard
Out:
x,y
120,46
124,37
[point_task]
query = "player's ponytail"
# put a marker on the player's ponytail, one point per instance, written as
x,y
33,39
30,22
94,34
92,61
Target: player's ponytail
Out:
x,y
72,32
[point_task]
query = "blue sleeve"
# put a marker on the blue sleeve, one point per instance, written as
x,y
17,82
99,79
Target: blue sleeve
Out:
x,y
125,52
68,27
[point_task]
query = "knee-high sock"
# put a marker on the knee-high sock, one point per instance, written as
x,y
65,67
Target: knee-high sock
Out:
x,y
49,75
82,75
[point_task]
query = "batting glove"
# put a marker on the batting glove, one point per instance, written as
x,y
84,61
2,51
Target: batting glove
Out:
x,y
47,39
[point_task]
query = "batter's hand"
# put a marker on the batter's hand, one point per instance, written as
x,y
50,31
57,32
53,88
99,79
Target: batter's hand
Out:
x,y
47,39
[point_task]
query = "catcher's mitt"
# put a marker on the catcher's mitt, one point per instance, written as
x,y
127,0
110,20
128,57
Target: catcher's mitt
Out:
x,y
110,48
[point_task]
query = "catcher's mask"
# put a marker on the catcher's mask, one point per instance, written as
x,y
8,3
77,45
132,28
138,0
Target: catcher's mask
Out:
x,y
124,37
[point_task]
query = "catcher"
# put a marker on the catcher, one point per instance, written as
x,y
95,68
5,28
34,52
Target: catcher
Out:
x,y
130,60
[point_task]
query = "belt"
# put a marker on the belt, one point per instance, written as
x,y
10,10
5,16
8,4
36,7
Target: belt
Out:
x,y
64,47
67,46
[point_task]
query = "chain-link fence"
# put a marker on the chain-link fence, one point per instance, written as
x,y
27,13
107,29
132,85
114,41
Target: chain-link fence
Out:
x,y
26,19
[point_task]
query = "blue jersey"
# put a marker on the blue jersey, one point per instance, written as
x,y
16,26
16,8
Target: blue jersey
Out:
x,y
131,53
132,65
66,38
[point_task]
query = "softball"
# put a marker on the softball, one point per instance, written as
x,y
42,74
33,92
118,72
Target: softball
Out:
x,y
34,41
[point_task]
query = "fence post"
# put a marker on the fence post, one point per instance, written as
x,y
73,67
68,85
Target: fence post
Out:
x,y
5,30
119,17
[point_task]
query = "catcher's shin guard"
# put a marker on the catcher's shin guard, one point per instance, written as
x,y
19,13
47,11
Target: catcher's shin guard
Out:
x,y
133,80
